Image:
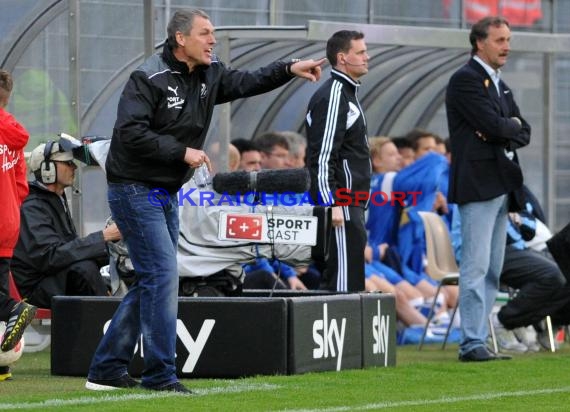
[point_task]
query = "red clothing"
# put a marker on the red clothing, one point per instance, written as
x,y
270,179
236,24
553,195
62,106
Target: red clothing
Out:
x,y
13,180
517,12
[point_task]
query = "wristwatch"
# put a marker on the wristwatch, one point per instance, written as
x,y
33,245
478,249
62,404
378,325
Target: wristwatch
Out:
x,y
288,66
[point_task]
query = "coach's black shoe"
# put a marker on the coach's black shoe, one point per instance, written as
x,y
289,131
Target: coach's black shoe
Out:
x,y
21,316
172,387
479,354
124,382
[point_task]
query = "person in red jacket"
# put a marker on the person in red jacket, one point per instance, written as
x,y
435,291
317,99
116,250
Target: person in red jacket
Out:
x,y
14,188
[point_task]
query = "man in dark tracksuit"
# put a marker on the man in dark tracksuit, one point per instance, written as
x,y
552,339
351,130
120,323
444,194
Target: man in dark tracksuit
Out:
x,y
339,160
162,119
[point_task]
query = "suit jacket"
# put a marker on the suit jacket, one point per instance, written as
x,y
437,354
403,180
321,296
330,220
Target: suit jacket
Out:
x,y
481,129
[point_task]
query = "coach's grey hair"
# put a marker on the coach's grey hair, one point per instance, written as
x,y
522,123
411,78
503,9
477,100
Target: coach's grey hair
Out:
x,y
182,22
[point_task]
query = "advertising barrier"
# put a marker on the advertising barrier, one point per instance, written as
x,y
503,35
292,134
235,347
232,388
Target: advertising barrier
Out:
x,y
243,336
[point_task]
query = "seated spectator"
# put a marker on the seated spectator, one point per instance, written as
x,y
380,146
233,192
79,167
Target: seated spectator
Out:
x,y
426,179
234,158
405,150
309,275
274,149
444,209
50,258
440,146
271,274
391,222
410,304
250,156
297,149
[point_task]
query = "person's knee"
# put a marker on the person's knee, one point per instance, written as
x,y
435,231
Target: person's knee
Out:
x,y
557,282
84,277
552,279
85,266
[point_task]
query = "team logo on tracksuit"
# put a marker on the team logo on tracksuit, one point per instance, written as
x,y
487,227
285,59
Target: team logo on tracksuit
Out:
x,y
174,101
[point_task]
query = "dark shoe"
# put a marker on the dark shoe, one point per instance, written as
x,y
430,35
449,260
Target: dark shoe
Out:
x,y
20,317
124,382
479,354
5,374
172,387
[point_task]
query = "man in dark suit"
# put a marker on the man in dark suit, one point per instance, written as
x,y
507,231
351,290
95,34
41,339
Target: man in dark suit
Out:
x,y
485,127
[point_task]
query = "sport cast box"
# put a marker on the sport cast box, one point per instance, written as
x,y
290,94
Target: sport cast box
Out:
x,y
245,336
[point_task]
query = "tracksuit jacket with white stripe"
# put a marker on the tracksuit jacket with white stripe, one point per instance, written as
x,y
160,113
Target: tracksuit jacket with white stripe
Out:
x,y
165,108
337,152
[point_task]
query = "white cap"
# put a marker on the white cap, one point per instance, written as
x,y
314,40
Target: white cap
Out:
x,y
57,154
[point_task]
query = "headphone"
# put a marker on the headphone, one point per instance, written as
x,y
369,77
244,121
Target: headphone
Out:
x,y
48,169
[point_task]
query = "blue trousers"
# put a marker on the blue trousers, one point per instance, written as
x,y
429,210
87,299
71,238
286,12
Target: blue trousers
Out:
x,y
483,240
150,307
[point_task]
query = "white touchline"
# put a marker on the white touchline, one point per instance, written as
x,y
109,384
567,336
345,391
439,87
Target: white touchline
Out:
x,y
445,400
91,400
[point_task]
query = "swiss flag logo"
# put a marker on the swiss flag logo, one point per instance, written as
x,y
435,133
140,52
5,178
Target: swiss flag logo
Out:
x,y
246,227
